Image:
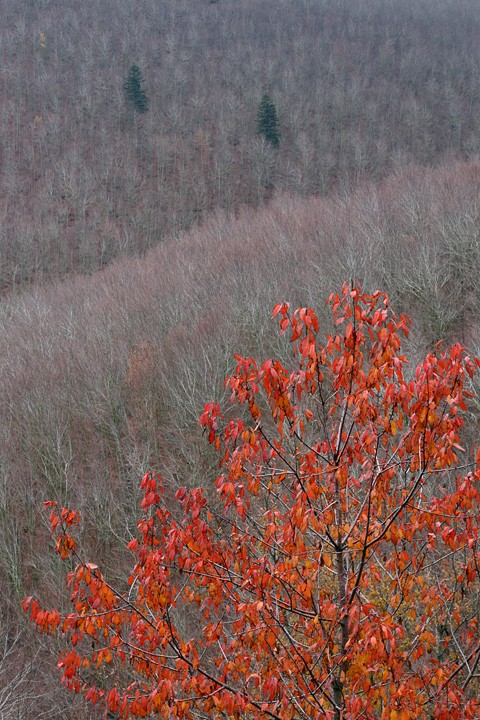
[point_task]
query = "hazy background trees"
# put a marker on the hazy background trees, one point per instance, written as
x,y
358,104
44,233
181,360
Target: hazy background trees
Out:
x,y
359,88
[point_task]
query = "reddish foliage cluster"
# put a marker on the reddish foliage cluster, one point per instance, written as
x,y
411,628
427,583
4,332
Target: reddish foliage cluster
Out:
x,y
340,580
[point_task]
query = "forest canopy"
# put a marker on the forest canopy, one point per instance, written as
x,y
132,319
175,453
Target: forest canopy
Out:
x,y
361,88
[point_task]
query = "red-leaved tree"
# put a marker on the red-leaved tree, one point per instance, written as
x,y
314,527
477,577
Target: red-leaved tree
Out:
x,y
336,575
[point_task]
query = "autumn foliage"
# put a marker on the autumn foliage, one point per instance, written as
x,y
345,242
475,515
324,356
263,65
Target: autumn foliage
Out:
x,y
335,572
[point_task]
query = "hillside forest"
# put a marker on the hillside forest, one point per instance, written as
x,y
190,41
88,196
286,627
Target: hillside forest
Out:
x,y
170,171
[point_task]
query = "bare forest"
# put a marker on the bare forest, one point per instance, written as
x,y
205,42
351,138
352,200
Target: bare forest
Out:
x,y
360,88
142,246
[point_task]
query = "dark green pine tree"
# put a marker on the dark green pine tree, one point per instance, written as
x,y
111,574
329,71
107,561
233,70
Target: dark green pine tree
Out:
x,y
268,120
135,95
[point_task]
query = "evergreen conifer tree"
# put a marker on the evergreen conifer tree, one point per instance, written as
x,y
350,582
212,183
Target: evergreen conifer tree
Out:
x,y
268,120
135,95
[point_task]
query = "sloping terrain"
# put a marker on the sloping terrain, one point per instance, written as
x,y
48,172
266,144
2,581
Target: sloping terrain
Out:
x,y
105,376
360,89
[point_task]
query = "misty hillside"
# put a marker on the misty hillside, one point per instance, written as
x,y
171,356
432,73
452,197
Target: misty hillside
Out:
x,y
360,89
105,376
